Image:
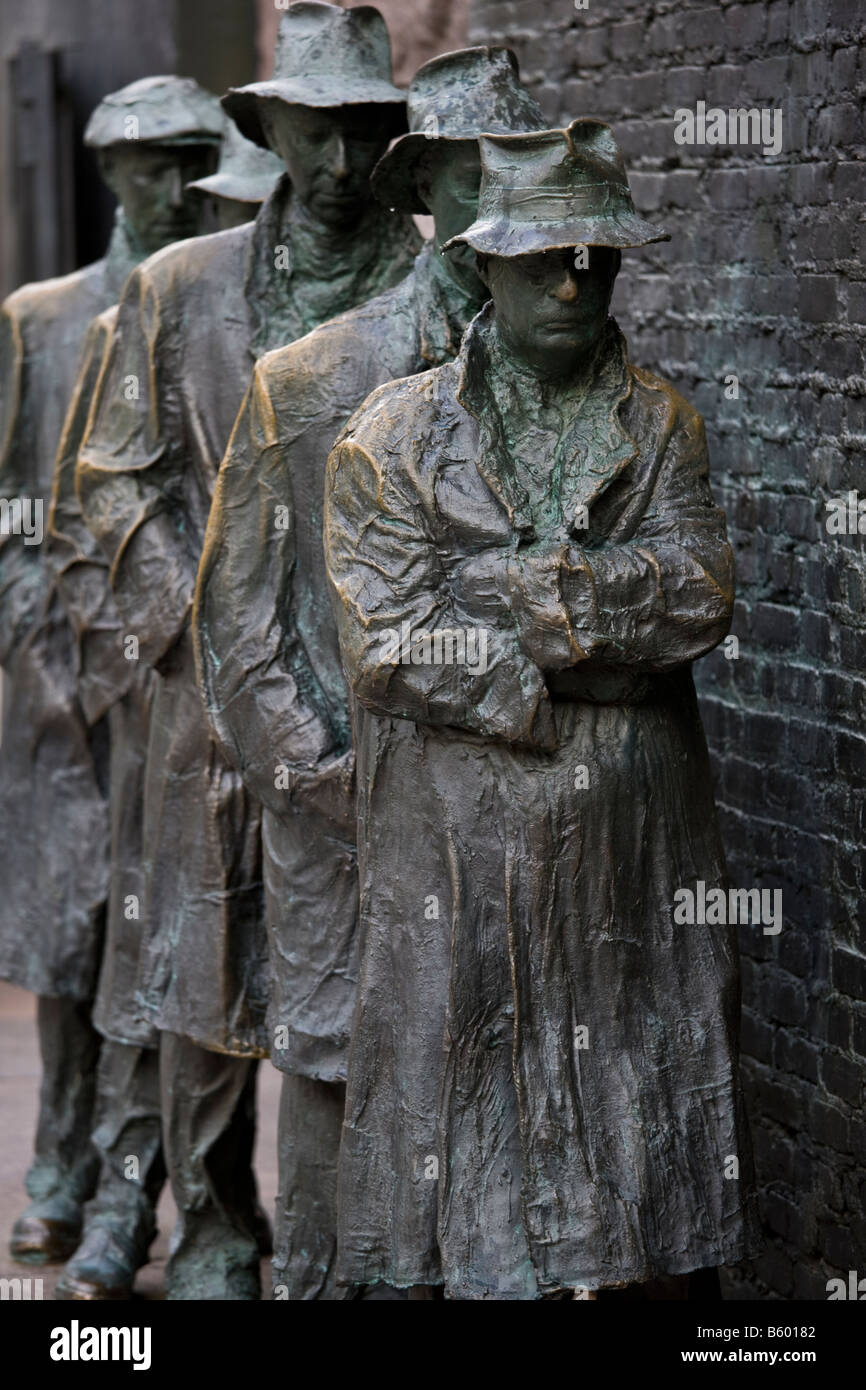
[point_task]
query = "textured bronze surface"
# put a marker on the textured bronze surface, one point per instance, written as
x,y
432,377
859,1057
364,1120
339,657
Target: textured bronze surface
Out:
x,y
265,634
542,1087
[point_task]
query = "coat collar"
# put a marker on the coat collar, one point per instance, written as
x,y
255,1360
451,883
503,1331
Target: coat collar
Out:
x,y
596,446
322,276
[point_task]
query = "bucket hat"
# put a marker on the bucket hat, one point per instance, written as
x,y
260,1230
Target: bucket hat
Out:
x,y
167,110
246,173
456,96
553,190
325,56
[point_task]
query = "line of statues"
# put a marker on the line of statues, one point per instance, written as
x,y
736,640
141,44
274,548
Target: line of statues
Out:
x,y
349,719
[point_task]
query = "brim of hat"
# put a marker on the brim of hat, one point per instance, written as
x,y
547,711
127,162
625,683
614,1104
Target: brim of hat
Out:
x,y
231,186
243,104
393,179
154,136
501,237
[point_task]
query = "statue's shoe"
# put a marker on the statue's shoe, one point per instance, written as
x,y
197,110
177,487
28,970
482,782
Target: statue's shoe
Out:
x,y
213,1275
47,1232
105,1264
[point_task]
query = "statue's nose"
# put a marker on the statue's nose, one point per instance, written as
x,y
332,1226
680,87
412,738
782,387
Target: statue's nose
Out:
x,y
339,158
566,290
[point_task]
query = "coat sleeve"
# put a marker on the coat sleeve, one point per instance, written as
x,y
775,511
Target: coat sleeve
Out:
x,y
385,573
21,582
264,703
81,569
658,601
130,473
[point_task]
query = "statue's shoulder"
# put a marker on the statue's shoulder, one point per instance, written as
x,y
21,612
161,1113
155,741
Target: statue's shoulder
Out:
x,y
79,293
407,407
104,322
99,331
654,393
401,429
348,353
182,265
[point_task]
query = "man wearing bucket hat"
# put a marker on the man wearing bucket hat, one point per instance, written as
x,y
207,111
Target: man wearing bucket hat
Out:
x,y
119,1221
245,178
542,1091
265,636
191,324
152,135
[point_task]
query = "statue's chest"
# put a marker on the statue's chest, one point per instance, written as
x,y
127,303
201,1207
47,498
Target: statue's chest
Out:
x,y
468,515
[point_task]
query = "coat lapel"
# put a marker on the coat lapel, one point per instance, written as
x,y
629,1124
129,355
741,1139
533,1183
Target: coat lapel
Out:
x,y
598,447
494,461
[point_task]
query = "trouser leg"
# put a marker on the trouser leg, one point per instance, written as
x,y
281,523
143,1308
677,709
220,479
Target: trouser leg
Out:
x,y
305,1230
65,1164
120,1220
208,1110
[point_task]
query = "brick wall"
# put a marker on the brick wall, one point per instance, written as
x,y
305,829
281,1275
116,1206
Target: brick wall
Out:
x,y
763,280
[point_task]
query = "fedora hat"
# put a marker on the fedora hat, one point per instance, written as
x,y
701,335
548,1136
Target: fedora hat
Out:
x,y
325,56
456,96
167,111
246,173
554,190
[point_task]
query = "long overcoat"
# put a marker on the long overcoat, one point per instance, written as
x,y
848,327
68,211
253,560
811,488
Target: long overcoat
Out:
x,y
53,767
112,685
542,1086
267,643
191,323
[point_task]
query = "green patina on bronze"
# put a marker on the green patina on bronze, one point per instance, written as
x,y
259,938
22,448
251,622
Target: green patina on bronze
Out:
x,y
120,1221
267,643
191,324
542,1090
55,764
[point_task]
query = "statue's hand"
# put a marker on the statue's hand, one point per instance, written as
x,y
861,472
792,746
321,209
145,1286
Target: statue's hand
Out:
x,y
480,584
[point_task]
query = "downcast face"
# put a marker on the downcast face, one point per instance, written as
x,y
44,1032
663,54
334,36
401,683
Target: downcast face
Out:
x,y
149,181
550,310
329,154
448,179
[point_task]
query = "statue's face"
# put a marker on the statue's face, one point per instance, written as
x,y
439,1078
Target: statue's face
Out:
x,y
448,179
549,312
217,214
149,182
329,154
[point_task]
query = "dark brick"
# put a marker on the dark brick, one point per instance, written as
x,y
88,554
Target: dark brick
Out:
x,y
843,1077
818,300
838,1029
841,1247
830,1123
796,1055
775,1267
849,974
757,1037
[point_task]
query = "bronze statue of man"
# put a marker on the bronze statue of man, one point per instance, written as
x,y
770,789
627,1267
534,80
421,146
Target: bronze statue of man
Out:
x,y
120,1219
151,137
526,559
191,324
266,640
